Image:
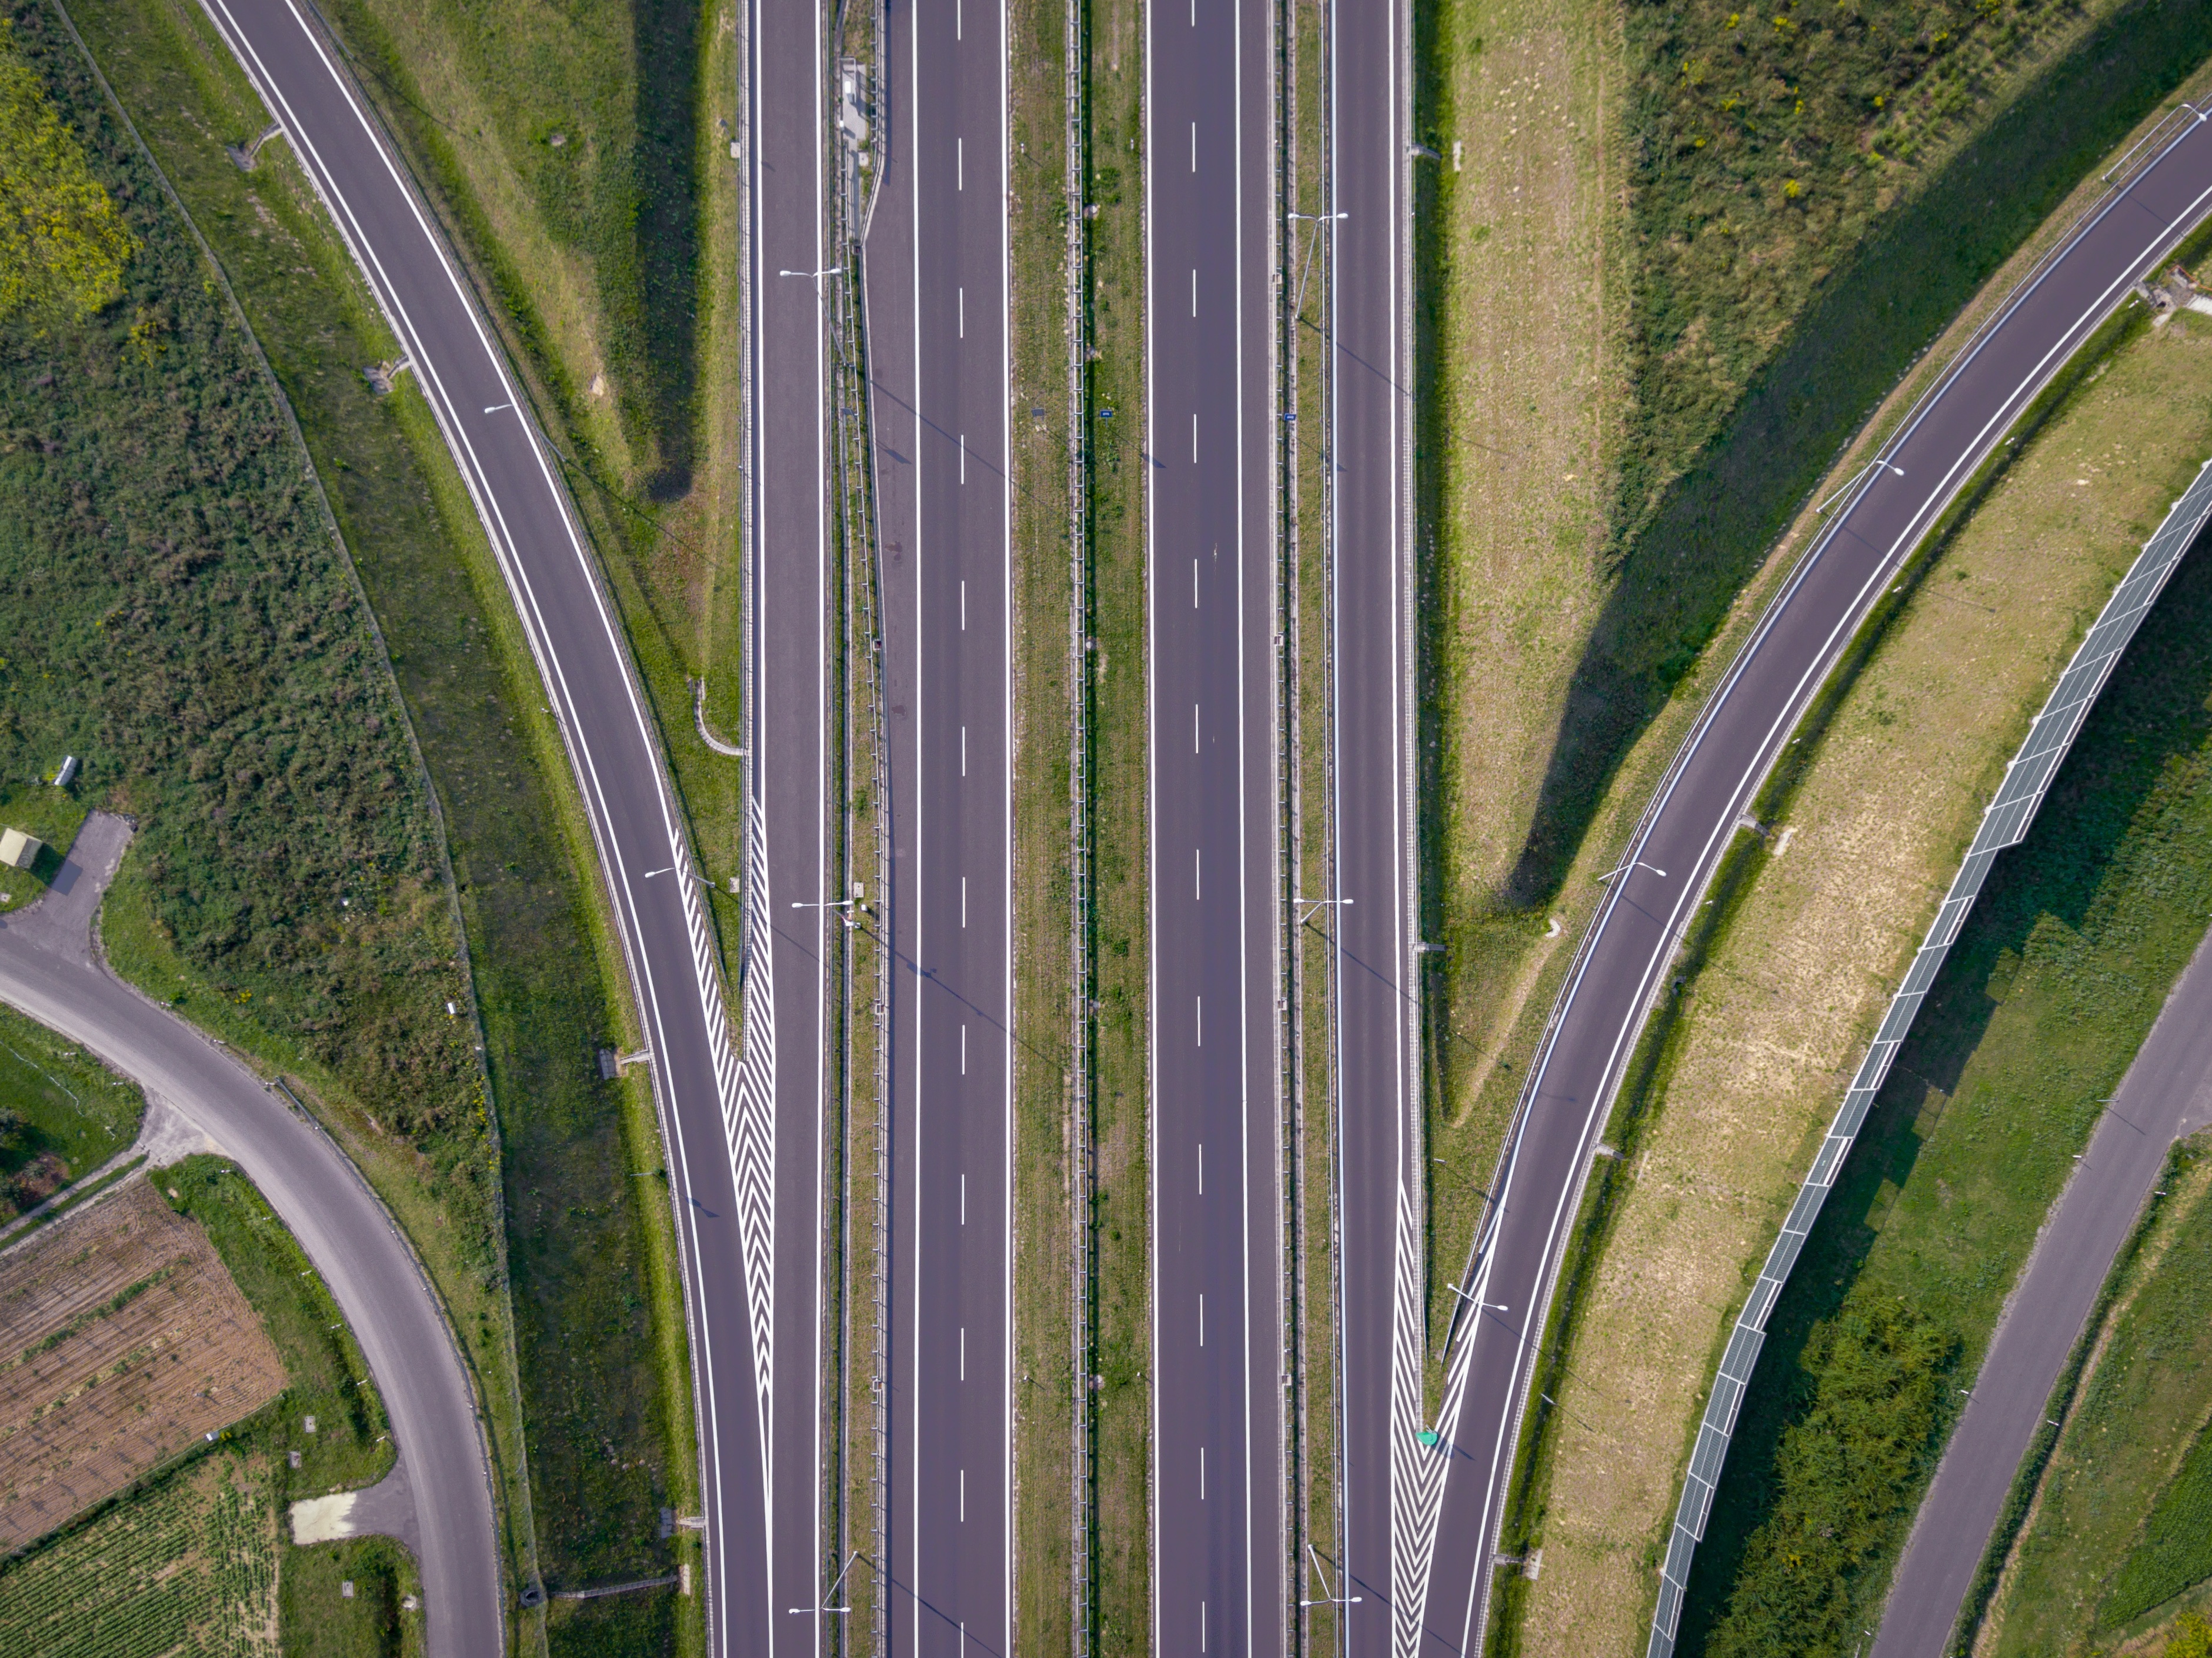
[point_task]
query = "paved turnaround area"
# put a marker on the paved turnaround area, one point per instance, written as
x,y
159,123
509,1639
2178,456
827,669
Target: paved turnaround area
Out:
x,y
1211,581
936,293
2167,1093
718,1156
49,969
1383,1242
788,662
1680,839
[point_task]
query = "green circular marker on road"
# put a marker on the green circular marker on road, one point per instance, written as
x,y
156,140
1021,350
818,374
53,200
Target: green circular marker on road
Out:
x,y
1428,1435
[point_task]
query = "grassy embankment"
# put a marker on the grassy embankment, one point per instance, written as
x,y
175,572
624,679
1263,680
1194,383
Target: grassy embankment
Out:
x,y
1045,1086
578,159
197,1548
1607,464
1122,1403
1791,965
2047,995
2078,1575
62,1113
587,1284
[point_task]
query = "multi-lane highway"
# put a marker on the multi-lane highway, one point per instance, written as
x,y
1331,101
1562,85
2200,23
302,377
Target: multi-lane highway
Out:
x,y
936,289
52,969
2166,1094
720,1140
1675,849
1217,897
788,663
1383,1237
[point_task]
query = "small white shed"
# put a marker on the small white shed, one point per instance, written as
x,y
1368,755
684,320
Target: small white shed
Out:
x,y
19,850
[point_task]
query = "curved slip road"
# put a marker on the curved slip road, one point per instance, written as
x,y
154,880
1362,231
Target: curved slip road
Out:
x,y
2166,1094
937,293
50,970
1212,557
721,1138
1461,1483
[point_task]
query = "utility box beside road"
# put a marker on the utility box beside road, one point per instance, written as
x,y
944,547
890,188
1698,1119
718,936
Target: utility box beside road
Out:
x,y
19,850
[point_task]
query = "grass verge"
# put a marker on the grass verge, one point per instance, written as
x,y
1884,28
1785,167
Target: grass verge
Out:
x,y
586,1295
1790,964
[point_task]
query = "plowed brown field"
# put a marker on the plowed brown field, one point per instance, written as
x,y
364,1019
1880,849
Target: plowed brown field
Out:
x,y
122,1339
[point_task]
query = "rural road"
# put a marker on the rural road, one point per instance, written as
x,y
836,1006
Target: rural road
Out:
x,y
1464,1478
2166,1094
720,1137
1213,588
50,969
937,293
1382,1242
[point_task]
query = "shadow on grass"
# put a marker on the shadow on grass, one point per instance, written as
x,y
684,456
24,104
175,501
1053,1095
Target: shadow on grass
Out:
x,y
2153,713
665,157
1677,578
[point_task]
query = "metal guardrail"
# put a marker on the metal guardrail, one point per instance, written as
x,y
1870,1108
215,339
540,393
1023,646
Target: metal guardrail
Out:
x,y
2004,824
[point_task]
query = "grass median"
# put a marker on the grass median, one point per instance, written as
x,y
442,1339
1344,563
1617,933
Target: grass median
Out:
x,y
580,1284
1047,1090
1121,1403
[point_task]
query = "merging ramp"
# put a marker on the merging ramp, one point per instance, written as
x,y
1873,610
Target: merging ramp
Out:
x,y
721,1142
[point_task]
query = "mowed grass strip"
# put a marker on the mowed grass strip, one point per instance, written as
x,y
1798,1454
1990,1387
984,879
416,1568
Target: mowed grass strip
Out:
x,y
1808,931
583,1286
1046,1088
2135,1422
2048,993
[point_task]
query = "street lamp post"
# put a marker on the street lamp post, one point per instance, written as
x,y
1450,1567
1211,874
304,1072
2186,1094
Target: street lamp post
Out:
x,y
839,1611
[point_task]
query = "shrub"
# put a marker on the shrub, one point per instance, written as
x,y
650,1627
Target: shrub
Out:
x,y
63,245
1847,1474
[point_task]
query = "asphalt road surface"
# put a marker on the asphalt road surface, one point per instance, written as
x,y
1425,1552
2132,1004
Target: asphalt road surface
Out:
x,y
788,875
1383,1242
2167,1093
49,969
1216,896
720,1140
1677,846
936,282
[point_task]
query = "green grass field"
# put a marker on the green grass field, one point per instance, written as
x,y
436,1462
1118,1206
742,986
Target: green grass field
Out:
x,y
62,1113
2055,980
